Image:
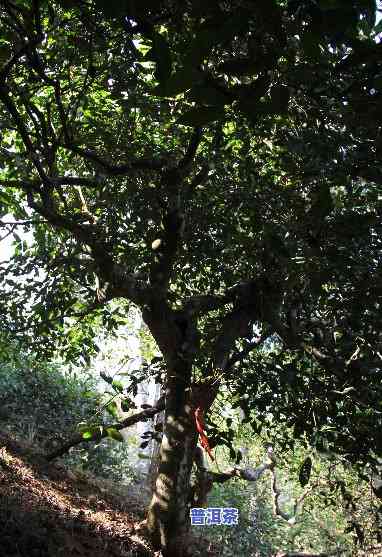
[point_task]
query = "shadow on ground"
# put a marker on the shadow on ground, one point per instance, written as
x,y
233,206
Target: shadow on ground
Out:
x,y
49,511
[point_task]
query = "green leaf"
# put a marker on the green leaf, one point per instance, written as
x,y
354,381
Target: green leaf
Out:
x,y
114,434
305,471
378,28
117,385
6,198
89,431
126,405
112,409
106,377
22,3
201,116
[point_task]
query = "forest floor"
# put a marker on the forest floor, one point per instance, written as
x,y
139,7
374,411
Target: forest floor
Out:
x,y
48,510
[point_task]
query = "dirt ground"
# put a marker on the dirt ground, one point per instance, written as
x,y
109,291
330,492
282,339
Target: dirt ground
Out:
x,y
47,510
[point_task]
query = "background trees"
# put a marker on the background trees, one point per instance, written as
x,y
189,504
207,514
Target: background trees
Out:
x,y
218,166
41,404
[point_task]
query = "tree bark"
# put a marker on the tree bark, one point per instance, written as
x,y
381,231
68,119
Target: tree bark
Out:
x,y
158,422
168,521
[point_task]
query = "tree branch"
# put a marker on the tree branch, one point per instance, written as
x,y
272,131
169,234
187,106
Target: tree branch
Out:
x,y
236,324
77,439
26,185
204,303
165,249
186,162
206,479
239,356
22,222
5,97
7,68
118,170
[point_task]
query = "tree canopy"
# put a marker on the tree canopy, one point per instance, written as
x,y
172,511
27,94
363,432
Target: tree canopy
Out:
x,y
216,164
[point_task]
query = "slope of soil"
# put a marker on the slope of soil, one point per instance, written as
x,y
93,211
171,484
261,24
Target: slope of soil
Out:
x,y
50,511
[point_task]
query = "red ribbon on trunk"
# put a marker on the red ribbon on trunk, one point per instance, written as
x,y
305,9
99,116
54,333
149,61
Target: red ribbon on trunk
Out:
x,y
200,427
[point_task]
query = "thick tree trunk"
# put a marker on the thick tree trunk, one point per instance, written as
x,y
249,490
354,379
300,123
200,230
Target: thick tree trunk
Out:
x,y
168,520
158,420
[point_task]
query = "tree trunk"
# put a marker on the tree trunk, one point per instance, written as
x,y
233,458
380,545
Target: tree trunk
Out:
x,y
155,445
168,521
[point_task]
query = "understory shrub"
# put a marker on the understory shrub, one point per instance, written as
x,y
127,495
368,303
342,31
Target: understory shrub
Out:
x,y
42,404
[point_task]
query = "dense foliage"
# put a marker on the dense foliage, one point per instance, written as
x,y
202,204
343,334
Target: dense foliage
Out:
x,y
42,404
217,164
339,514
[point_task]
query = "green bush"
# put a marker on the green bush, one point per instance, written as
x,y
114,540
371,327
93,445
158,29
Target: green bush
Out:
x,y
42,404
339,515
43,401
